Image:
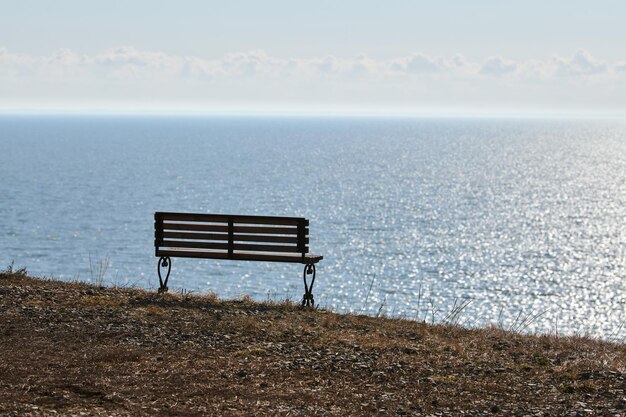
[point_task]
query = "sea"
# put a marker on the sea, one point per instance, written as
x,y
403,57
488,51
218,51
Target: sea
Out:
x,y
514,223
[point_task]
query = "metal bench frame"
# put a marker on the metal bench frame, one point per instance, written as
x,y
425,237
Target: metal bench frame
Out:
x,y
241,238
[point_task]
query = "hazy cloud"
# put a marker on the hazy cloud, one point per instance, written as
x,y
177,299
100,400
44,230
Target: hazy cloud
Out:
x,y
582,63
363,65
498,66
251,63
8,59
458,61
332,65
66,57
127,61
127,73
417,64
620,67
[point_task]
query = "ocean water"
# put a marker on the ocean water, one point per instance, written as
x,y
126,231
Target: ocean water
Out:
x,y
522,220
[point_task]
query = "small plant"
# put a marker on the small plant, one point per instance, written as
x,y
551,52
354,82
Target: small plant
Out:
x,y
369,291
522,322
433,310
419,303
382,305
98,270
10,271
186,294
613,335
500,324
454,316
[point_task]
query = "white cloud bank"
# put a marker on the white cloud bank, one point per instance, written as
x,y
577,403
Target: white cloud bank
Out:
x,y
416,81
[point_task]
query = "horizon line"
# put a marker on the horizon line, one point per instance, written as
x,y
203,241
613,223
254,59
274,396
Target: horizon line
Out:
x,y
335,113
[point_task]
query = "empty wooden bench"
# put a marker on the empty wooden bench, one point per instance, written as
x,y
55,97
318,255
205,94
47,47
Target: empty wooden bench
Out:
x,y
238,238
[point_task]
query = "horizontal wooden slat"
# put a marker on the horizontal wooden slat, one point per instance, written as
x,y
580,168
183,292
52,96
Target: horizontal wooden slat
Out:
x,y
269,230
237,237
238,256
190,244
192,254
197,227
252,256
268,248
236,229
236,246
223,218
266,238
197,236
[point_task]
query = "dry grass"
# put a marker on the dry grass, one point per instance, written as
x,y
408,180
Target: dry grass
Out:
x,y
69,348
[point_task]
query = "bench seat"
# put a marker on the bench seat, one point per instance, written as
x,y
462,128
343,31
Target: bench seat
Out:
x,y
236,238
243,256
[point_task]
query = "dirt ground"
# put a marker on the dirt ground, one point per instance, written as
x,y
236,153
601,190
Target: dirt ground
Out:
x,y
76,349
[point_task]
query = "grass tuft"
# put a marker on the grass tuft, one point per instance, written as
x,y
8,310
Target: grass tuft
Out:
x,y
98,270
9,271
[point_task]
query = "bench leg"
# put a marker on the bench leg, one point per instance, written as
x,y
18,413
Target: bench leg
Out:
x,y
164,262
307,300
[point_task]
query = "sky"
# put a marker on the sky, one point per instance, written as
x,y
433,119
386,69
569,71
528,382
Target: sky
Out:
x,y
278,56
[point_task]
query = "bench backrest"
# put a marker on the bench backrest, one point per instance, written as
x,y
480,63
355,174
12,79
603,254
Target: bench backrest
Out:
x,y
225,236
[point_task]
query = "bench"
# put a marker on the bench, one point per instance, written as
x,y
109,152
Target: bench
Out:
x,y
238,238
